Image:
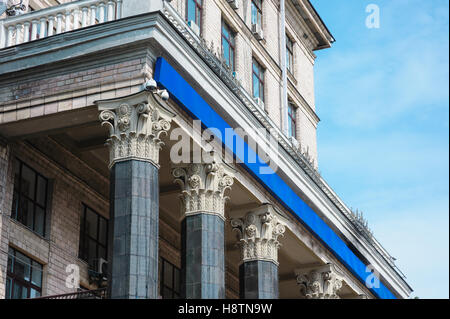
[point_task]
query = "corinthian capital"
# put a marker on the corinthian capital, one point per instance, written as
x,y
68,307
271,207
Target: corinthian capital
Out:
x,y
322,282
136,124
203,187
258,234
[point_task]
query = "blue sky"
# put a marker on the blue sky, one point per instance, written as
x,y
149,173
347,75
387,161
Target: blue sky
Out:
x,y
382,95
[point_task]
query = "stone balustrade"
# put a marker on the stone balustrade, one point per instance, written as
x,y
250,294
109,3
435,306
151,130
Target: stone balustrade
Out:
x,y
58,19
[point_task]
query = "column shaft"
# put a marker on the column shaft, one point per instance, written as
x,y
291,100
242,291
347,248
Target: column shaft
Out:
x,y
203,260
258,279
134,219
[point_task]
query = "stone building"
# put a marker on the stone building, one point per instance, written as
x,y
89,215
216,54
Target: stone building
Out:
x,y
99,100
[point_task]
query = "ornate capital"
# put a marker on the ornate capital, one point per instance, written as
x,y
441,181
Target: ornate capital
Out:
x,y
203,187
323,282
258,234
136,124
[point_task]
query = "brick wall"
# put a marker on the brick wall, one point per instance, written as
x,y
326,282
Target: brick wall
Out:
x,y
63,92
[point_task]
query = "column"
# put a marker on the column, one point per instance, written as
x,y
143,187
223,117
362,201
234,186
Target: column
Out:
x,y
136,124
322,282
26,31
202,230
258,234
51,26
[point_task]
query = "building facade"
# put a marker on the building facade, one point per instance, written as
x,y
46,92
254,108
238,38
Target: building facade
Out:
x,y
167,149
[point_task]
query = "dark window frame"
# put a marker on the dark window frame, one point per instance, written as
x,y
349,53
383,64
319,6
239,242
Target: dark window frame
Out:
x,y
16,278
290,54
85,237
172,289
256,5
260,76
198,12
292,118
16,207
231,40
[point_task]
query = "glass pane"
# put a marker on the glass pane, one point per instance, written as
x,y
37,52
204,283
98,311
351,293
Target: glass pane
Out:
x,y
191,10
41,191
16,175
167,293
25,212
254,14
15,205
225,31
168,274
10,261
28,182
176,280
226,52
39,222
92,252
8,288
255,86
255,68
36,276
22,266
91,223
19,291
34,293
82,248
103,235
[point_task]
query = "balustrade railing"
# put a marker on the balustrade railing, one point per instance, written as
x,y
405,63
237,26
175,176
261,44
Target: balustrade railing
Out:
x,y
58,19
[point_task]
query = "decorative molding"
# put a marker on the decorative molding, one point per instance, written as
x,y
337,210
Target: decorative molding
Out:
x,y
208,55
136,124
258,234
203,187
323,282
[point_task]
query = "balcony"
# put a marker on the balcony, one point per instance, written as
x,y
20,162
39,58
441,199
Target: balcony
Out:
x,y
58,19
86,294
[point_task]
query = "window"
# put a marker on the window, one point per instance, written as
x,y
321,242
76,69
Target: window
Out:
x,y
258,80
194,11
170,280
228,46
24,276
257,12
93,237
289,54
292,121
29,198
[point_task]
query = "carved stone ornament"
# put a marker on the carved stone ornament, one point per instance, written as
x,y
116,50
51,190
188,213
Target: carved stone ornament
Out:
x,y
203,187
322,282
258,234
136,124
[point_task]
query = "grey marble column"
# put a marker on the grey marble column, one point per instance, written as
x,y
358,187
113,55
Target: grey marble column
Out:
x,y
202,257
203,245
136,123
258,235
258,279
134,225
